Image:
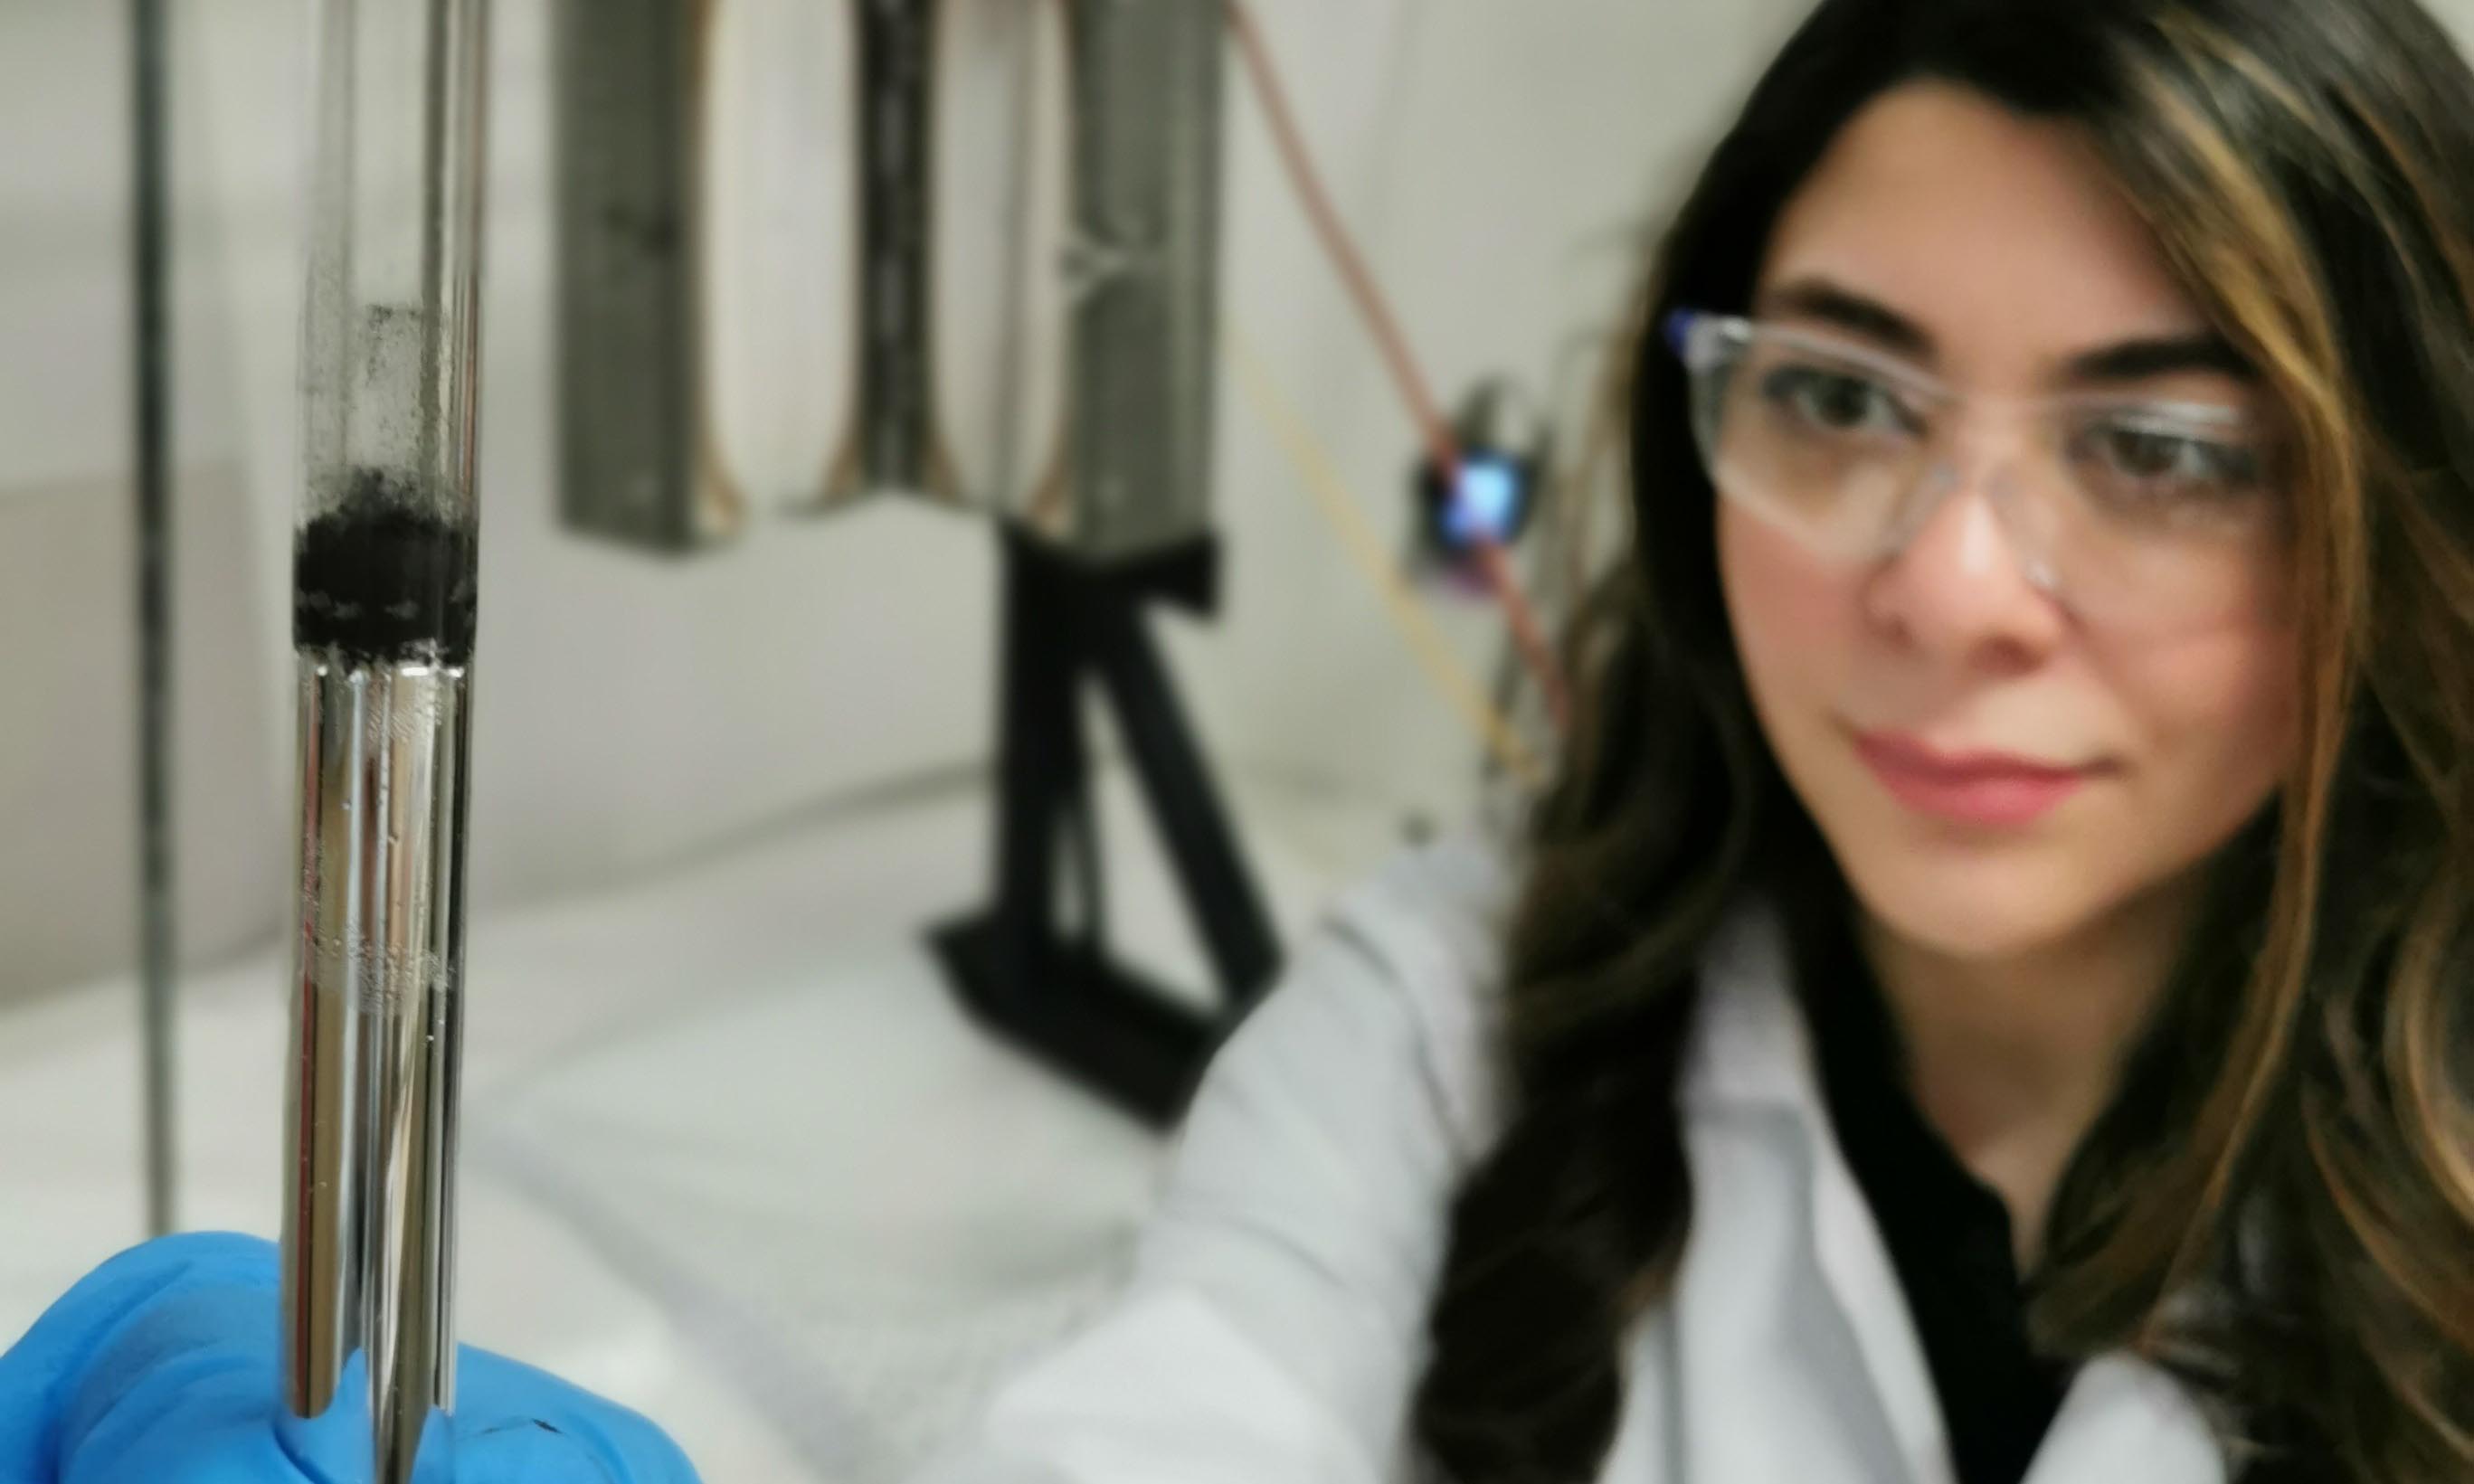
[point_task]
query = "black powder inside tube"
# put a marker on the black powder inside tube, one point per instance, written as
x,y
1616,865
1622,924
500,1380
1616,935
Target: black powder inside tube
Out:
x,y
380,579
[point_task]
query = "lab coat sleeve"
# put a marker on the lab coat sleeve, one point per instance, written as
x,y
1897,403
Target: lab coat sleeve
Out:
x,y
1275,1324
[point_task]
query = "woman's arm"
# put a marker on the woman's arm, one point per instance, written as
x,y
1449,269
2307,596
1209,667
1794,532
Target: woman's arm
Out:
x,y
1275,1320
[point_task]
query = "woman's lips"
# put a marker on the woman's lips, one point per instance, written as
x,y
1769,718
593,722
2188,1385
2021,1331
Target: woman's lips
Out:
x,y
1990,789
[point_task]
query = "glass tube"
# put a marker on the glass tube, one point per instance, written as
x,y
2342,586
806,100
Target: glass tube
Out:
x,y
383,611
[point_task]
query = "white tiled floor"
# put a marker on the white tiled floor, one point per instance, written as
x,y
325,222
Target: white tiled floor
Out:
x,y
733,1155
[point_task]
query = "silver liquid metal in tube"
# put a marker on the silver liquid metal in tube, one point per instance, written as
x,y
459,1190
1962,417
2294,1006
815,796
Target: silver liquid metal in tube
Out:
x,y
385,570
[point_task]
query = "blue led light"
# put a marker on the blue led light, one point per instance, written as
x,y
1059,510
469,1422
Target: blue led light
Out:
x,y
1487,505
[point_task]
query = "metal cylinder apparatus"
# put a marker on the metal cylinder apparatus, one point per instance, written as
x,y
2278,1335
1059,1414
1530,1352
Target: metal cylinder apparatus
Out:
x,y
384,574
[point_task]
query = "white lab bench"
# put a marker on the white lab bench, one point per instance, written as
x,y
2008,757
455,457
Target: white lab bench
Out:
x,y
733,1154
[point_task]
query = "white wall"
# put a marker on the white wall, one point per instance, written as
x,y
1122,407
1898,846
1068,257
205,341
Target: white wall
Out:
x,y
1498,159
67,589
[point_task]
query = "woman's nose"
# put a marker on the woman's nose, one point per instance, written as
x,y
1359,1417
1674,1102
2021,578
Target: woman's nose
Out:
x,y
1959,587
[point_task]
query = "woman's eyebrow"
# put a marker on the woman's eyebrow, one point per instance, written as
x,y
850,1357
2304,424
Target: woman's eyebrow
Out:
x,y
2142,360
1843,308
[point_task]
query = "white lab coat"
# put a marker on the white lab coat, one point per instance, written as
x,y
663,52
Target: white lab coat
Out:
x,y
1274,1326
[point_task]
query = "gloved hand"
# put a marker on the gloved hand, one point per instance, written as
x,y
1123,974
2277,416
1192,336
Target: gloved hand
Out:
x,y
159,1368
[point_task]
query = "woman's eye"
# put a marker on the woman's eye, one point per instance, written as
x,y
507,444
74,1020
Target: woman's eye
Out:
x,y
2157,456
2157,471
2150,455
1836,401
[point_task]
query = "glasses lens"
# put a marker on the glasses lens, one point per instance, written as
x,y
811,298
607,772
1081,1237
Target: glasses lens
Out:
x,y
1810,438
2159,516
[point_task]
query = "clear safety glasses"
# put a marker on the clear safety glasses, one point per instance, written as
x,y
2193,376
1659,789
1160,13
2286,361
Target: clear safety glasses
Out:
x,y
2133,513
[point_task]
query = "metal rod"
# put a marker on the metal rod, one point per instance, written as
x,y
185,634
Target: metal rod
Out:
x,y
157,924
896,443
1014,371
377,1048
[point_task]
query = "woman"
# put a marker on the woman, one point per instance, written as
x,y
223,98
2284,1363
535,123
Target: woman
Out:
x,y
1988,998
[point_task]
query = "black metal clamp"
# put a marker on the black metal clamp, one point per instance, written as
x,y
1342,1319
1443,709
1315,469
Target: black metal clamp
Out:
x,y
1058,993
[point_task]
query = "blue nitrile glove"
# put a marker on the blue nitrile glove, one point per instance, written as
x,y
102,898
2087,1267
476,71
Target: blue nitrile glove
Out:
x,y
160,1367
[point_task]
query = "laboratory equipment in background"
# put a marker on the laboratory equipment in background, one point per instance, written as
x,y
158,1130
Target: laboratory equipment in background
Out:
x,y
1503,446
894,439
151,292
1119,526
1131,531
1144,274
636,457
383,617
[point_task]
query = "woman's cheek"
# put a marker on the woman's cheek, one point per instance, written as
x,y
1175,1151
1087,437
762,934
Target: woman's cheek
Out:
x,y
2221,713
1794,616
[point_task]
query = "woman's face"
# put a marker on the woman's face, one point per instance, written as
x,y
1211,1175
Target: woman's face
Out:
x,y
1993,771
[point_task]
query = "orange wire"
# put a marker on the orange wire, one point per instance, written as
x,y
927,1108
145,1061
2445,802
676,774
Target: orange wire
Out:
x,y
1442,447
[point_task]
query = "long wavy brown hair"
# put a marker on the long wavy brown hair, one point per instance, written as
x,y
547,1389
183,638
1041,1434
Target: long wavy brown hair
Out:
x,y
2279,1203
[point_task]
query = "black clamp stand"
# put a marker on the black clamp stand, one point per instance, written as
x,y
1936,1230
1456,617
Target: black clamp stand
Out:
x,y
1058,994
